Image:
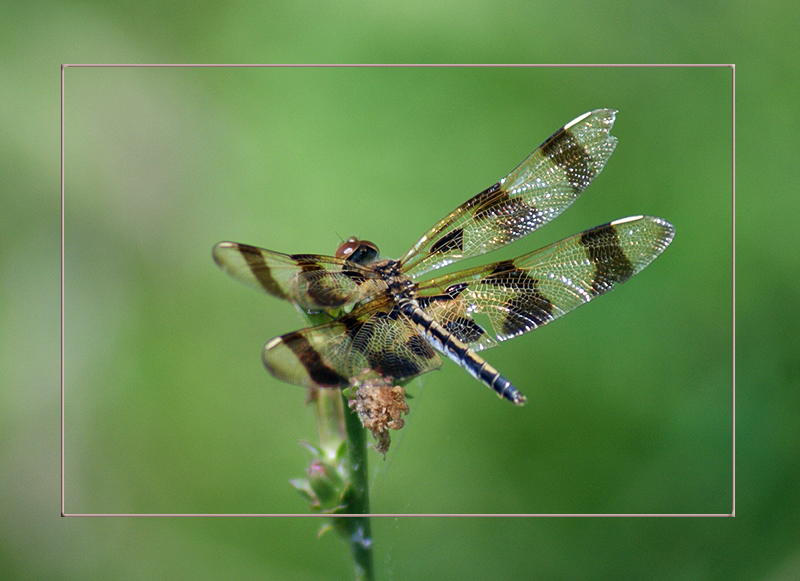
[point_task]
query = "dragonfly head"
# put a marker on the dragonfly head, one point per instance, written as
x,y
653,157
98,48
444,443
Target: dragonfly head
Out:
x,y
359,251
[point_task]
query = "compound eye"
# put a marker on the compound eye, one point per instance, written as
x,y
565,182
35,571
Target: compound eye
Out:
x,y
358,251
347,248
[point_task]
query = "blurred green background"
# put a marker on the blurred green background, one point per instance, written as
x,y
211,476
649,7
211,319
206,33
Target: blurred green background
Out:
x,y
168,409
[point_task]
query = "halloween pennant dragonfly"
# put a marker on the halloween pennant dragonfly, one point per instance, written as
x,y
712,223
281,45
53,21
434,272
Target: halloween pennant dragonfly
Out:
x,y
383,317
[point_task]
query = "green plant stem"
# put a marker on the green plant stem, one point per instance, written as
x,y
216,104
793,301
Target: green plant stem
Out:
x,y
359,529
341,435
337,423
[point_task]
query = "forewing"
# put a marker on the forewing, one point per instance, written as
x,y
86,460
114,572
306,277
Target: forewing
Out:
x,y
313,282
525,293
537,191
372,337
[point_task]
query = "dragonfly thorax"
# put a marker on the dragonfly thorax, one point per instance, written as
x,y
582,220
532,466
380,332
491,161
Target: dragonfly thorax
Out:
x,y
400,286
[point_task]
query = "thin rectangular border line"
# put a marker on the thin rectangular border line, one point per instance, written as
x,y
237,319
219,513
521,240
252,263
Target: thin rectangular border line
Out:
x,y
368,65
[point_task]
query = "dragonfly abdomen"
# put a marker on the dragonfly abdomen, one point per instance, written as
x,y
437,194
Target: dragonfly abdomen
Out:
x,y
443,341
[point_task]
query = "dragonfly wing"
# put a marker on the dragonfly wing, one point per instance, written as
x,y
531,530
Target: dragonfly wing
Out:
x,y
530,291
537,191
311,281
333,354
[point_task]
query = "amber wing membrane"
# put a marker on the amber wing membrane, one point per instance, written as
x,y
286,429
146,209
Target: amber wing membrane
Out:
x,y
372,337
313,282
537,191
520,295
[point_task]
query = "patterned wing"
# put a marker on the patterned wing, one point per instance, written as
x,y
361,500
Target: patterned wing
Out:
x,y
537,191
374,336
312,282
530,291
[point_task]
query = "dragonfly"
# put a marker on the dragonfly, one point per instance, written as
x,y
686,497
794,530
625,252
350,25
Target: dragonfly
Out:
x,y
383,316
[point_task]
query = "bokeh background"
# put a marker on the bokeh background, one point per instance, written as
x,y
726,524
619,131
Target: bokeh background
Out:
x,y
168,409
